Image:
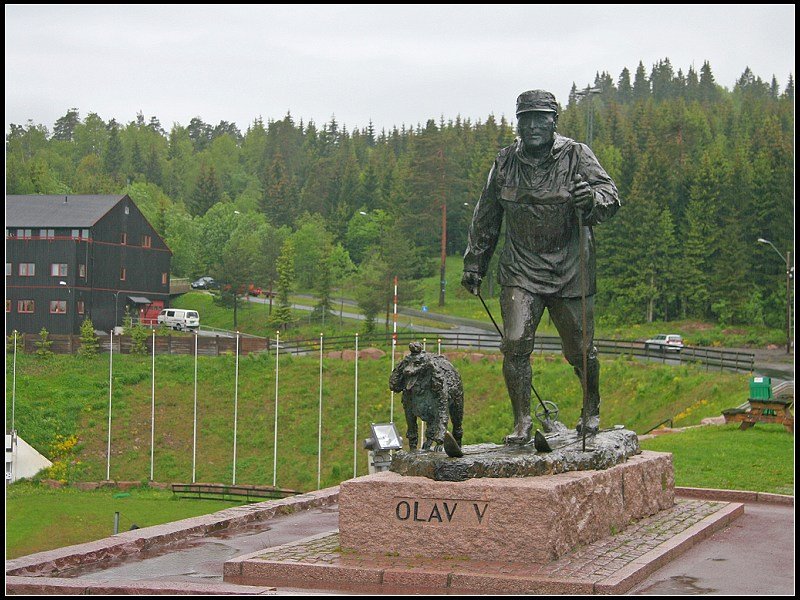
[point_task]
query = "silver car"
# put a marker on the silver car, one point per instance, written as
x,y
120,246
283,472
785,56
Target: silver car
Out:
x,y
669,342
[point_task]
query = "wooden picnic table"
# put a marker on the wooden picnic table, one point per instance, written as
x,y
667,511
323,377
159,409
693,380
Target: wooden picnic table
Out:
x,y
772,410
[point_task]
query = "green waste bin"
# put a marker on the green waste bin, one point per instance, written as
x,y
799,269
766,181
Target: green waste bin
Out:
x,y
760,388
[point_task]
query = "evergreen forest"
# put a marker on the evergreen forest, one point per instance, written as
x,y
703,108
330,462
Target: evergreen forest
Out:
x,y
702,171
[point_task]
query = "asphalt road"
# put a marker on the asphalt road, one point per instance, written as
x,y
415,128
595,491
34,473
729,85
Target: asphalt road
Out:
x,y
754,555
769,362
405,320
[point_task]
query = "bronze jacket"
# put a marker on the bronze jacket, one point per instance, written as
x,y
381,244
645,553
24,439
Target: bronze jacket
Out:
x,y
541,251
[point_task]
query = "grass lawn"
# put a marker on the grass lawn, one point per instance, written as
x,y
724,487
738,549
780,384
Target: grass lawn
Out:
x,y
40,518
758,459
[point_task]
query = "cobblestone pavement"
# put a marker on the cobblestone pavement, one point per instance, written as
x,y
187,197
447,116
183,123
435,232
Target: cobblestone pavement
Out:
x,y
592,563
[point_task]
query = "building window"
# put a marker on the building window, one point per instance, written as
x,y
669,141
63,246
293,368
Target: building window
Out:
x,y
24,234
163,279
8,269
147,241
58,306
85,234
80,307
8,305
27,269
123,238
82,271
122,274
58,269
25,306
47,234
127,210
76,234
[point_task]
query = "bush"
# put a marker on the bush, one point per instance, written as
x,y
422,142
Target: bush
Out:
x,y
139,335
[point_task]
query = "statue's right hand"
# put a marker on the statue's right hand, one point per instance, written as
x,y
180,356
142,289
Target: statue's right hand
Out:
x,y
472,282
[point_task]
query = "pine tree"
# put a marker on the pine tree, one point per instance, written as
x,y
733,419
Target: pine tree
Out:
x,y
788,93
139,335
207,191
624,89
695,286
641,86
44,344
200,133
324,287
12,338
137,160
113,157
692,85
280,199
666,274
64,128
661,80
152,169
89,344
282,315
634,263
370,290
708,87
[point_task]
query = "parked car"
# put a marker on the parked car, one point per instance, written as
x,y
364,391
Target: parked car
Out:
x,y
669,342
204,283
179,318
254,290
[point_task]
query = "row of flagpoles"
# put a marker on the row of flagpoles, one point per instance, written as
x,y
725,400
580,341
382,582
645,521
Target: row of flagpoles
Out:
x,y
236,403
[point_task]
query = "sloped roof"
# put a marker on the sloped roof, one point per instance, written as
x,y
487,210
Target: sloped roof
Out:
x,y
52,211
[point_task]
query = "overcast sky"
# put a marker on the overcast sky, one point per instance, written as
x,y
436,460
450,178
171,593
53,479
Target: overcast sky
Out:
x,y
391,64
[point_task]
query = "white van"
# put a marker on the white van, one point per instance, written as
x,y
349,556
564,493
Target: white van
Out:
x,y
179,319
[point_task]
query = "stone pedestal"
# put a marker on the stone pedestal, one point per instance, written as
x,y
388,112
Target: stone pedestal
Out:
x,y
522,519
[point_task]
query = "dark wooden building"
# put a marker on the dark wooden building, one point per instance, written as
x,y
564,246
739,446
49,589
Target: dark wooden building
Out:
x,y
72,257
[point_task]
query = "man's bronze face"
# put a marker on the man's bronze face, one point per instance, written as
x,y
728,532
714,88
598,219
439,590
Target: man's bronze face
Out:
x,y
537,129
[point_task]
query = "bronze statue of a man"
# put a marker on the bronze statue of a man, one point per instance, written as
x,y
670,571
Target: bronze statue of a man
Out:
x,y
544,185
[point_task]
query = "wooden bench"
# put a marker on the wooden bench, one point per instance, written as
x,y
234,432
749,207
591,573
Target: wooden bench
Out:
x,y
773,410
250,493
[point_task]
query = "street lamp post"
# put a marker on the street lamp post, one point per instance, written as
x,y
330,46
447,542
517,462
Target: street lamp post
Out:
x,y
442,273
789,274
116,309
588,93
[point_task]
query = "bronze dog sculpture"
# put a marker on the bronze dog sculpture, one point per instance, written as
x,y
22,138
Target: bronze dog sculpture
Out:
x,y
432,391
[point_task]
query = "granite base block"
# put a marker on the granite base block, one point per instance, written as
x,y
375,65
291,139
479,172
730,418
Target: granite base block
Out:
x,y
522,519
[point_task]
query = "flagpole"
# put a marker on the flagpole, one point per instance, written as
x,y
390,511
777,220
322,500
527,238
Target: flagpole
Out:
x,y
110,371
394,347
194,428
355,418
319,420
153,407
235,408
275,432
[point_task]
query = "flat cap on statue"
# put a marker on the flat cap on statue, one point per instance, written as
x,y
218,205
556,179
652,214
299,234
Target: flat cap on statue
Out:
x,y
536,100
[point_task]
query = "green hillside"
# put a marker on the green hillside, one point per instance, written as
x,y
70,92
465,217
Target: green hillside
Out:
x,y
61,408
